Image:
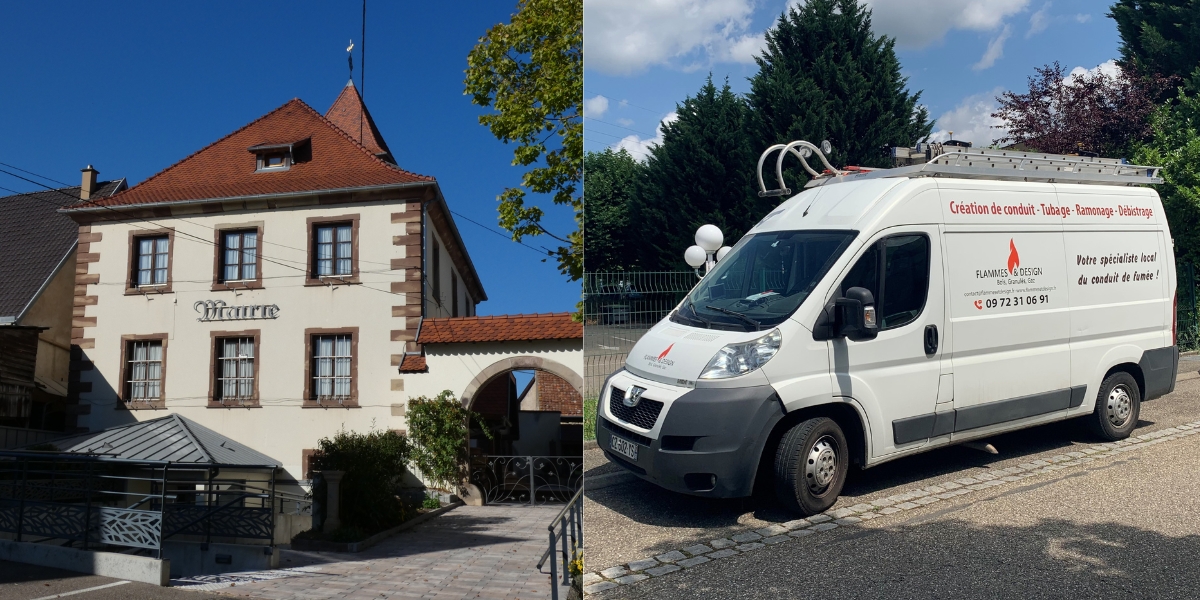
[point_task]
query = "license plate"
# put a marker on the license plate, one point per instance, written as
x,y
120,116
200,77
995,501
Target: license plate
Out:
x,y
625,448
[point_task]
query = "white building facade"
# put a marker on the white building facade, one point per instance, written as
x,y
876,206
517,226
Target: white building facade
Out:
x,y
271,287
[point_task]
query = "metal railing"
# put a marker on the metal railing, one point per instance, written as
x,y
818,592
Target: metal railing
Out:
x,y
567,525
528,479
618,308
1187,323
102,501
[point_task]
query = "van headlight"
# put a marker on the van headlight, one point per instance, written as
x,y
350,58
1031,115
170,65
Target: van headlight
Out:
x,y
739,359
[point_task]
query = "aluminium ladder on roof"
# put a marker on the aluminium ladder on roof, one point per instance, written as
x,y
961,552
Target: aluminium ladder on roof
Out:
x,y
975,163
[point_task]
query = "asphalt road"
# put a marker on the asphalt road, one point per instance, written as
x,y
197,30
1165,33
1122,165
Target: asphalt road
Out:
x,y
27,582
636,520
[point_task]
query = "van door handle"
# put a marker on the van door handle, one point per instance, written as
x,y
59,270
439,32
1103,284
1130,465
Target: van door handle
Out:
x,y
931,340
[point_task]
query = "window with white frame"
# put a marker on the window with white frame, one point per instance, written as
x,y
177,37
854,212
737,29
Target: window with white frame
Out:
x,y
334,249
235,370
143,370
331,368
152,255
239,255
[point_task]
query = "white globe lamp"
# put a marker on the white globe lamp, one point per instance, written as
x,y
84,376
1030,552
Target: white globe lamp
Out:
x,y
722,252
695,256
709,238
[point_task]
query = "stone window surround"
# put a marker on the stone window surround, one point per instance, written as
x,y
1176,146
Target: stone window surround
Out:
x,y
214,337
124,403
130,283
219,252
310,278
309,401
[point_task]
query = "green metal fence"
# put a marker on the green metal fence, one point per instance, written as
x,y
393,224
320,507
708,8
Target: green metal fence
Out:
x,y
1187,325
618,308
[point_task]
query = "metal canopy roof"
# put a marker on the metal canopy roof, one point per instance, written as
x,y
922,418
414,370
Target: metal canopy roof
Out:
x,y
172,438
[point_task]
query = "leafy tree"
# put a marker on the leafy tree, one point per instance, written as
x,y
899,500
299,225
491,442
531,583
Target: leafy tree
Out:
x,y
531,72
1093,112
438,430
613,181
825,76
1175,146
702,172
1158,37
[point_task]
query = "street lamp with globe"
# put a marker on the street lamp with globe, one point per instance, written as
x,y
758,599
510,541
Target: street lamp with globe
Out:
x,y
708,249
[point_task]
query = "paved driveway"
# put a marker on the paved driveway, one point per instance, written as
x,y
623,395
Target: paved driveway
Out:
x,y
636,529
485,552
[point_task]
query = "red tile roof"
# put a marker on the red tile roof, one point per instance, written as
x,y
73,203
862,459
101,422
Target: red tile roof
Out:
x,y
226,169
351,115
500,328
413,364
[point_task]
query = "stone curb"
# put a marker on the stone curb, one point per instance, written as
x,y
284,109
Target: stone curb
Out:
x,y
750,540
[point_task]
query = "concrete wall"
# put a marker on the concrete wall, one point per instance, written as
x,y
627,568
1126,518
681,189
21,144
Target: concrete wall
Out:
x,y
194,558
107,564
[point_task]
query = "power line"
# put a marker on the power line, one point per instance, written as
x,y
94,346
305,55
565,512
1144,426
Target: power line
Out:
x,y
628,103
547,250
619,126
35,174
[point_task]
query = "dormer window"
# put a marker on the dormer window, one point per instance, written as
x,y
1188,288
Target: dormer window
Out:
x,y
280,157
278,160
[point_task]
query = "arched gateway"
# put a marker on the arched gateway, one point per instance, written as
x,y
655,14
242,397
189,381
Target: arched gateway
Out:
x,y
524,375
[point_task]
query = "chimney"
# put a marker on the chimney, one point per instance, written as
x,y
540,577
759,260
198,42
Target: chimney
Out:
x,y
89,183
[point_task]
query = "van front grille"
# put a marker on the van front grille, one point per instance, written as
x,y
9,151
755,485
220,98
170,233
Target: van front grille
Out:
x,y
644,415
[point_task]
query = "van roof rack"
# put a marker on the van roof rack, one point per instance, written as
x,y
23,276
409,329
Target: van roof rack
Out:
x,y
965,163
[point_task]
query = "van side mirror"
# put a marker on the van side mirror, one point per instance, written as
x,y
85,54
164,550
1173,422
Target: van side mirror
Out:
x,y
855,315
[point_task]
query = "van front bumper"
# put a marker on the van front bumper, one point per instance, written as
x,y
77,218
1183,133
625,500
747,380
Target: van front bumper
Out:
x,y
706,433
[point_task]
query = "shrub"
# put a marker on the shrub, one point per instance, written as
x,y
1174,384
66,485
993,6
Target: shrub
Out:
x,y
432,502
438,430
373,462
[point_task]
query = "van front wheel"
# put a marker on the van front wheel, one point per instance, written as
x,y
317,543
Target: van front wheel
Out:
x,y
810,466
1117,407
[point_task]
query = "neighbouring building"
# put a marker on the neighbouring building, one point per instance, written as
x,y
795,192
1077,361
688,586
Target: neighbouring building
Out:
x,y
279,285
38,279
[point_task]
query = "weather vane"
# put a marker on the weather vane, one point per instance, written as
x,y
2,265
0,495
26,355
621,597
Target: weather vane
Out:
x,y
350,58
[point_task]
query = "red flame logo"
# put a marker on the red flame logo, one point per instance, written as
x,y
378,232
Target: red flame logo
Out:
x,y
1014,260
664,352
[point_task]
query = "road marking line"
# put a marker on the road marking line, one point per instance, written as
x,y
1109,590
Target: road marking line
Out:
x,y
899,502
91,589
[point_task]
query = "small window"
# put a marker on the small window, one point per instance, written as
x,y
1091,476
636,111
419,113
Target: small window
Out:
x,y
274,161
435,274
335,248
239,256
152,255
453,294
143,371
331,368
235,370
901,291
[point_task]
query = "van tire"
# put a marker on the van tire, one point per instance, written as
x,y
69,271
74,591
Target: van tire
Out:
x,y
1118,406
810,466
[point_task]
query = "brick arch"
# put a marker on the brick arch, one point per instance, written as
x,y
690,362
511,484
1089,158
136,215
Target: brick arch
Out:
x,y
520,363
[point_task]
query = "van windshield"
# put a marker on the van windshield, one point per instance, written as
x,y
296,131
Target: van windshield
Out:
x,y
763,279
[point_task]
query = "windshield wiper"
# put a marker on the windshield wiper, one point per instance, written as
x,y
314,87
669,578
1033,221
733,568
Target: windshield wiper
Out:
x,y
706,322
757,326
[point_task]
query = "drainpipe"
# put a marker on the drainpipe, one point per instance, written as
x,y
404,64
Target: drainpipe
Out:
x,y
424,272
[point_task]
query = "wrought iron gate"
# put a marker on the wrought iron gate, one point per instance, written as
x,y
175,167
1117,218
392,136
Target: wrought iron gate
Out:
x,y
528,479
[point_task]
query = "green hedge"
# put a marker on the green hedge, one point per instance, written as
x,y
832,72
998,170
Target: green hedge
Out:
x,y
373,463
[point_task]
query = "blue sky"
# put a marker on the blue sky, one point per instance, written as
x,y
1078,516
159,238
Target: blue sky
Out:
x,y
644,56
133,87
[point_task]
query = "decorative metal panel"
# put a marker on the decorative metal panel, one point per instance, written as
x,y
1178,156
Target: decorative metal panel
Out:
x,y
528,479
128,527
229,521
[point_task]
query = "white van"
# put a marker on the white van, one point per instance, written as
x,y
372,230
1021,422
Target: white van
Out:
x,y
886,313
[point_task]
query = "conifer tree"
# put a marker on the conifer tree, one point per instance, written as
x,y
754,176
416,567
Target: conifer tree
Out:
x,y
702,172
825,76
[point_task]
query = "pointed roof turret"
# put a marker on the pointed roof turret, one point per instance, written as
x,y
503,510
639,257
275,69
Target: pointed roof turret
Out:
x,y
351,115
